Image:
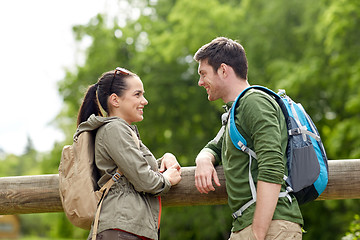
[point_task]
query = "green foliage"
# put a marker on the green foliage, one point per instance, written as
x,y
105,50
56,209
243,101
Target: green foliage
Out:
x,y
296,45
328,219
49,225
309,48
354,229
203,222
25,164
50,162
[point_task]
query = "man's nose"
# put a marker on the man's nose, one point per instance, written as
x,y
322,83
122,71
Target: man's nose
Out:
x,y
200,82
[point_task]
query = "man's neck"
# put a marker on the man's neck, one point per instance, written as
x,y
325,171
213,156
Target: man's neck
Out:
x,y
235,88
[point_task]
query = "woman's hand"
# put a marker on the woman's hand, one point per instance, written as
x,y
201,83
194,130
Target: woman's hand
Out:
x,y
168,161
170,168
173,175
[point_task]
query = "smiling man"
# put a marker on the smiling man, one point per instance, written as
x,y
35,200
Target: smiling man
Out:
x,y
223,73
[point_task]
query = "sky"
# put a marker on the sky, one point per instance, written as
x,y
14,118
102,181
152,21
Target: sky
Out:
x,y
36,45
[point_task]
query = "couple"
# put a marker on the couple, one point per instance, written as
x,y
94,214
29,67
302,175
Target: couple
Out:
x,y
132,208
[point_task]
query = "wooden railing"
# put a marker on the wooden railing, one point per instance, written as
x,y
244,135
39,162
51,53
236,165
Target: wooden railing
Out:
x,y
39,194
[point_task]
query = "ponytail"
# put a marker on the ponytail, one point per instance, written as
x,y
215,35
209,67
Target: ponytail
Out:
x,y
89,105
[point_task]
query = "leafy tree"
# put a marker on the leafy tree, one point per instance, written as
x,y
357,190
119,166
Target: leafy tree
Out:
x,y
309,48
24,164
354,229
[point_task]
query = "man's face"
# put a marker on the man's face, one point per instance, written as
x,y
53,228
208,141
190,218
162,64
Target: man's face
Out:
x,y
210,80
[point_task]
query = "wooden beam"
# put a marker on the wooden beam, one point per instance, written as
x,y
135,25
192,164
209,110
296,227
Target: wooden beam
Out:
x,y
39,194
30,194
344,180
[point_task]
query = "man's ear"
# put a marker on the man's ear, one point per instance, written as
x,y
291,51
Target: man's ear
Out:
x,y
223,70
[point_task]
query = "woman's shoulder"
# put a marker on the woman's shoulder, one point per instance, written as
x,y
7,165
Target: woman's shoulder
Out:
x,y
117,123
115,126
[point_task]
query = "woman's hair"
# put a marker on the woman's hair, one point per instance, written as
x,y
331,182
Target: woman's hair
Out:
x,y
97,95
224,50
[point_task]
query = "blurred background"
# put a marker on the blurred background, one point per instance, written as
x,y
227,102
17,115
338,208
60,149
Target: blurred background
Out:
x,y
310,48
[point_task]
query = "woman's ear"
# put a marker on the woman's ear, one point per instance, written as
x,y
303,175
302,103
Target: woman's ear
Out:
x,y
114,100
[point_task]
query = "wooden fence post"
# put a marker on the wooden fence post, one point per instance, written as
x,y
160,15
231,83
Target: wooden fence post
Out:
x,y
39,194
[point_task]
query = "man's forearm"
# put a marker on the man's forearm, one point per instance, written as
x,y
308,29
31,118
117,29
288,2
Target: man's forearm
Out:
x,y
267,197
205,156
205,172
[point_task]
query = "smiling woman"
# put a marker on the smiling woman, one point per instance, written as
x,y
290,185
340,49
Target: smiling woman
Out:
x,y
132,209
130,106
120,93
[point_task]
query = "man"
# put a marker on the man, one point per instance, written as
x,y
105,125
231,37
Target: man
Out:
x,y
223,73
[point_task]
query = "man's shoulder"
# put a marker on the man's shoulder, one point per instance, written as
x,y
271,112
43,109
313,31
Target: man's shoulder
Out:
x,y
255,98
256,94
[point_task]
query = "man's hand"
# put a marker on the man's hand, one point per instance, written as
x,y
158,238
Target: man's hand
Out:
x,y
205,172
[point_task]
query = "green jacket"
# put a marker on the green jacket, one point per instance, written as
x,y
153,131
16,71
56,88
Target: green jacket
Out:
x,y
260,121
132,204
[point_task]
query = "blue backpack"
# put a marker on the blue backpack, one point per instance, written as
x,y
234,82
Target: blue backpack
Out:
x,y
306,157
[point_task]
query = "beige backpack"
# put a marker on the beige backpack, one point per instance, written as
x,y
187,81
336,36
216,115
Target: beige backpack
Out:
x,y
80,195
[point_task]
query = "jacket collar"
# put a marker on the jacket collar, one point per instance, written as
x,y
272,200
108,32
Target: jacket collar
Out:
x,y
95,122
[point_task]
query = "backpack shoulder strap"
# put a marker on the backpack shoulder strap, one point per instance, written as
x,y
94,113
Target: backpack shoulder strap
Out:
x,y
237,139
240,143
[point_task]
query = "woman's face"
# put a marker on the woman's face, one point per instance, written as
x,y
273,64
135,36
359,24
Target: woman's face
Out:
x,y
132,103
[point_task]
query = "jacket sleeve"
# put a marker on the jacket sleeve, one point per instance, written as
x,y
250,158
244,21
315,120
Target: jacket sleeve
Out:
x,y
131,161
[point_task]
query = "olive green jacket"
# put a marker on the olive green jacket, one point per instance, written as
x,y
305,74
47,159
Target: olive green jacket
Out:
x,y
132,204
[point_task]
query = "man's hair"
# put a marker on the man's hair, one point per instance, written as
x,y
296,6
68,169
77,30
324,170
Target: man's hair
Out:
x,y
224,50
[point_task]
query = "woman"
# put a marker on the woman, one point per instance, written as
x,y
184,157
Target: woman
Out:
x,y
132,208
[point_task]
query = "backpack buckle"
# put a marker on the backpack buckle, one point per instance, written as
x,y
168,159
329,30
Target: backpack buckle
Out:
x,y
224,118
234,216
116,177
